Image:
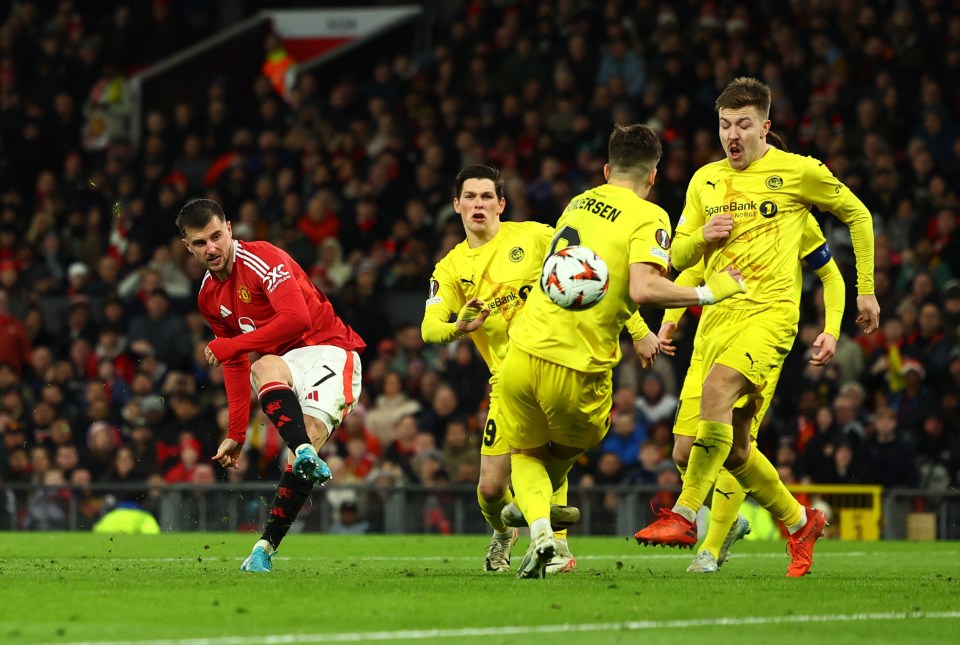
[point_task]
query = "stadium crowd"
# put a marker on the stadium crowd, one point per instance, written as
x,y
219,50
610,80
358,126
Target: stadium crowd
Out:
x,y
102,374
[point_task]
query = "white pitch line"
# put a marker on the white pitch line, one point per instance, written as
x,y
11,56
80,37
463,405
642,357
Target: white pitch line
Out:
x,y
460,558
521,630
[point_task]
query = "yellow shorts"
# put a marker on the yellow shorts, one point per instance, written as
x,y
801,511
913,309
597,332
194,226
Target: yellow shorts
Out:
x,y
752,341
755,342
492,443
688,410
542,402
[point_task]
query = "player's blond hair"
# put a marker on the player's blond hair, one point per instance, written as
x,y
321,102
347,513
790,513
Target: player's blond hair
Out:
x,y
633,149
745,91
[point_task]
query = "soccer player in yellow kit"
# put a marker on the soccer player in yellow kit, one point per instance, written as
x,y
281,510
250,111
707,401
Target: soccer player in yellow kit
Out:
x,y
556,377
749,209
485,281
726,524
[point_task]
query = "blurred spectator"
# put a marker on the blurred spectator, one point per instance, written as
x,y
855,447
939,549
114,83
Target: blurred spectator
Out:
x,y
938,454
654,402
49,505
888,458
928,344
163,329
391,405
189,451
609,470
14,344
403,447
624,438
644,471
818,452
358,461
102,441
461,452
845,469
468,375
330,272
914,400
348,521
444,407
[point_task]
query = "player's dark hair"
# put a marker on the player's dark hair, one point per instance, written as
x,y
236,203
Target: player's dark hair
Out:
x,y
197,213
745,91
480,172
776,141
633,149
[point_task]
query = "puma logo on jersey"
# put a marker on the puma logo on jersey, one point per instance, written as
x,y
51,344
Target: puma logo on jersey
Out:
x,y
747,354
712,184
224,312
465,281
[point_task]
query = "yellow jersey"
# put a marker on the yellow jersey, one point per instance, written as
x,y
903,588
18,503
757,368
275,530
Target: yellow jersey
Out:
x,y
621,228
814,250
502,273
769,202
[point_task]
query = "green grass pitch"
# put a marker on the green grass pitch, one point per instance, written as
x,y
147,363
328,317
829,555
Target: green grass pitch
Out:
x,y
187,588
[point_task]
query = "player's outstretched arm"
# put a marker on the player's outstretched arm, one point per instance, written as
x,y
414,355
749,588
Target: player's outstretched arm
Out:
x,y
649,287
830,195
834,294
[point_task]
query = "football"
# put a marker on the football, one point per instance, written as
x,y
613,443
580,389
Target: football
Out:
x,y
575,278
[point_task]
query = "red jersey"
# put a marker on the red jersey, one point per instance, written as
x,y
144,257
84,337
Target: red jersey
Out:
x,y
267,305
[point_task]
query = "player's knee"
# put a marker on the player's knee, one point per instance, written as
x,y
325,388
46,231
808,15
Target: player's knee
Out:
x,y
269,368
491,490
718,399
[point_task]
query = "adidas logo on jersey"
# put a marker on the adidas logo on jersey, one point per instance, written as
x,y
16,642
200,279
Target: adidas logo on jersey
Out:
x,y
224,312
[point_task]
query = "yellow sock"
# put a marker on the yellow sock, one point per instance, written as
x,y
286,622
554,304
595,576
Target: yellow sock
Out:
x,y
558,469
759,478
709,451
728,495
683,471
531,486
560,499
491,510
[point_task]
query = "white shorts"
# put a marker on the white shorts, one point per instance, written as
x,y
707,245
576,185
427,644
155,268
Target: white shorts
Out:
x,y
326,380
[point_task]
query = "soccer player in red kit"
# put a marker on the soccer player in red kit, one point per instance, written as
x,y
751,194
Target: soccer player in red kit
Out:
x,y
257,299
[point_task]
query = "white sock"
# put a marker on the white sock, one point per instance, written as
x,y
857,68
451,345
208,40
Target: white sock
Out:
x,y
266,546
687,513
539,527
793,528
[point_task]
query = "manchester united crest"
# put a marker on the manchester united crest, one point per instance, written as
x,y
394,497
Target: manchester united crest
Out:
x,y
243,293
